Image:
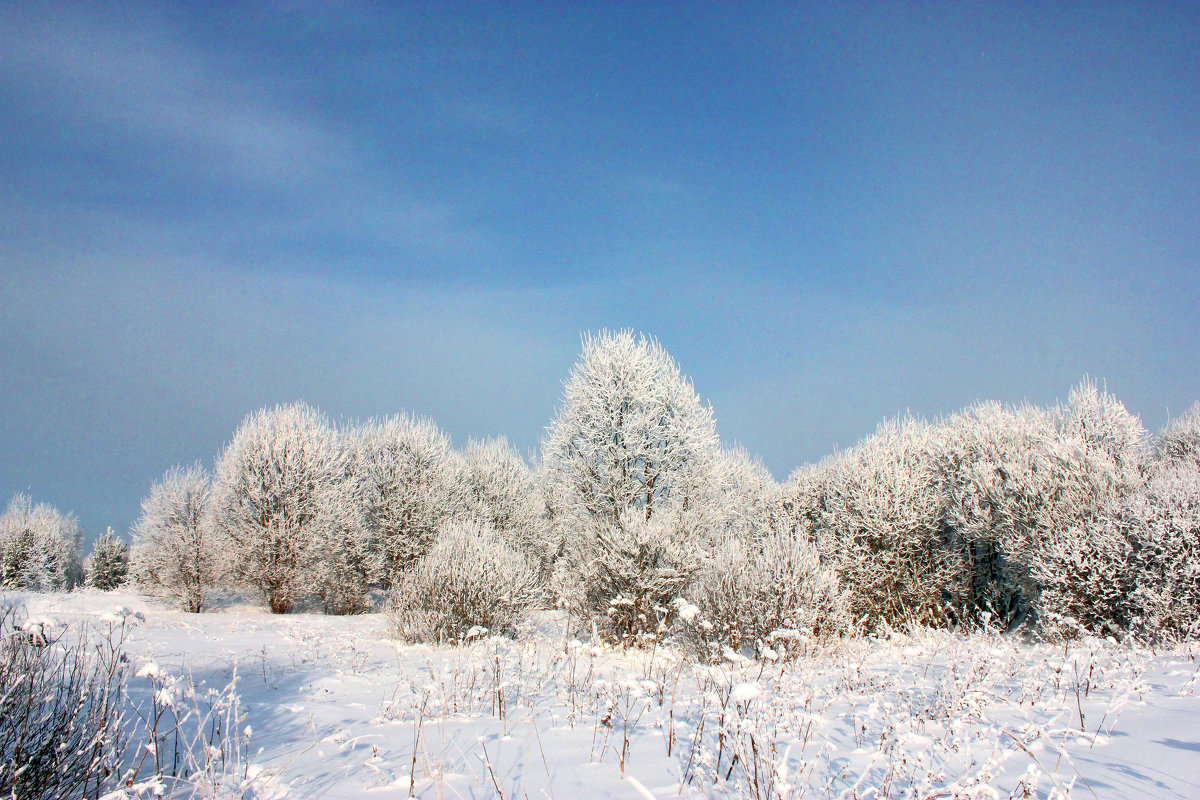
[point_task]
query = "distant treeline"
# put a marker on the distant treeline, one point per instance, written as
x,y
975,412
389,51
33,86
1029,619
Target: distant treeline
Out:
x,y
1060,520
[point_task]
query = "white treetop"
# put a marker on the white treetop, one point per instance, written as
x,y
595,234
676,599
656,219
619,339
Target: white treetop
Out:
x,y
631,433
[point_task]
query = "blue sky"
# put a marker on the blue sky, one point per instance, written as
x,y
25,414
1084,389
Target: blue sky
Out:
x,y
828,213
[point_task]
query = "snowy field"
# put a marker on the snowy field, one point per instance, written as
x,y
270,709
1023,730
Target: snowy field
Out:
x,y
335,709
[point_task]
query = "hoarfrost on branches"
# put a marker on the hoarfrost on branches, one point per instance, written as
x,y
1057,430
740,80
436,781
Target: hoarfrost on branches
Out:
x,y
276,490
471,581
406,473
177,549
1179,444
631,433
39,547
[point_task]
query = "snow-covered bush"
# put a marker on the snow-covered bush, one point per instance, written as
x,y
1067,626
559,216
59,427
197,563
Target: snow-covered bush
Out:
x,y
61,702
1086,575
406,474
879,521
1083,541
279,486
177,549
966,519
768,592
39,547
498,489
742,499
469,583
1178,446
1166,518
626,576
107,566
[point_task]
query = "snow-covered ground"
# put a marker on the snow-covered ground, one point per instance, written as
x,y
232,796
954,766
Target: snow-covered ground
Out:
x,y
334,709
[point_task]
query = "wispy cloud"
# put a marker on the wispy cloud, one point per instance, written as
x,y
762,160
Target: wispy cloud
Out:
x,y
223,143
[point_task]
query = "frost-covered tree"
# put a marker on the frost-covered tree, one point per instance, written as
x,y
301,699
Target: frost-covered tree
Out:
x,y
276,490
471,582
498,489
1178,446
631,433
105,569
407,477
39,547
631,442
178,551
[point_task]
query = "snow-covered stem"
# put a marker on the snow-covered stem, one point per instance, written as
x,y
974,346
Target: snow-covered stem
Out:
x,y
61,706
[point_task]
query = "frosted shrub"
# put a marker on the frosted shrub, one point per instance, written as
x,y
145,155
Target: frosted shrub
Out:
x,y
880,522
1084,533
108,564
406,474
1015,481
61,696
1167,519
499,490
769,592
470,582
1178,446
742,497
1086,576
39,547
177,550
627,575
279,487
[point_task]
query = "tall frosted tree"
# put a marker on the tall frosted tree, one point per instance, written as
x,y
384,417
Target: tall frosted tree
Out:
x,y
407,476
631,432
177,549
277,490
628,456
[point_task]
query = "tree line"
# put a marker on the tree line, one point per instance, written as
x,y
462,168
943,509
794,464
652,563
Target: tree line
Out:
x,y
635,518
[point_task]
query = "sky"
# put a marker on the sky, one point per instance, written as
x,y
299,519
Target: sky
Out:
x,y
828,213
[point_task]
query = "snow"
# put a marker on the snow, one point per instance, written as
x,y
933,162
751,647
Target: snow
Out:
x,y
331,707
